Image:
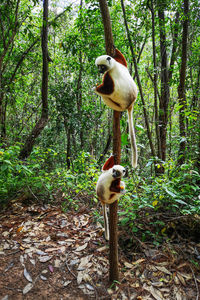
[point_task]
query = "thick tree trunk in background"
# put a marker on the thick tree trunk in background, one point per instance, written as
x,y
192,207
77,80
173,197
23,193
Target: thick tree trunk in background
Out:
x,y
29,144
181,87
164,98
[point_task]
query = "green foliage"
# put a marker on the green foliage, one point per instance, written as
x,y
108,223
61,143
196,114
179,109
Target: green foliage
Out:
x,y
36,178
177,191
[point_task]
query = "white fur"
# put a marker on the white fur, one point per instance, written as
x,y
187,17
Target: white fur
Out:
x,y
124,85
104,193
123,97
105,180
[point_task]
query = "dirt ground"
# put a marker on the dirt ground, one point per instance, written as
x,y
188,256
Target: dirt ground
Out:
x,y
48,254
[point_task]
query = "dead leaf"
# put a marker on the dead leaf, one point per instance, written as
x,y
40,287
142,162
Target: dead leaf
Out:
x,y
139,261
51,268
162,269
84,263
43,277
27,275
127,265
40,252
80,277
83,276
80,248
66,283
32,261
102,248
57,263
20,228
157,284
89,287
176,280
6,246
5,233
44,259
61,248
27,288
154,292
180,277
74,262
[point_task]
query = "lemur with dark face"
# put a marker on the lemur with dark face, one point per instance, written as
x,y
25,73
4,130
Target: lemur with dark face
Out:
x,y
110,188
118,90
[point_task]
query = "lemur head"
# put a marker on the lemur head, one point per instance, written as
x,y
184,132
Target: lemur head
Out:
x,y
118,171
105,63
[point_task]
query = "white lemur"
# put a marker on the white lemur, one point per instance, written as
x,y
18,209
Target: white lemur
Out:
x,y
118,90
110,187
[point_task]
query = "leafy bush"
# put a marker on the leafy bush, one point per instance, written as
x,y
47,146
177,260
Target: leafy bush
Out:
x,y
39,178
177,191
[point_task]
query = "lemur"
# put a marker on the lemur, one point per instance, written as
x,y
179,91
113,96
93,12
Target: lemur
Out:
x,y
118,90
110,188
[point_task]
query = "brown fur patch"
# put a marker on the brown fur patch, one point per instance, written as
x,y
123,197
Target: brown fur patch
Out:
x,y
115,185
111,196
107,87
119,57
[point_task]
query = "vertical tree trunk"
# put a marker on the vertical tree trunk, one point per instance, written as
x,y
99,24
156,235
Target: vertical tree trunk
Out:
x,y
29,143
155,81
164,98
79,89
79,99
68,129
181,87
139,84
113,218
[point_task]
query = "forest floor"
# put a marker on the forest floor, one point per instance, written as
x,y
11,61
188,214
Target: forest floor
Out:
x,y
48,254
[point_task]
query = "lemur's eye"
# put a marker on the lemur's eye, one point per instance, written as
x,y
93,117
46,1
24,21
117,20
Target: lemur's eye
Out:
x,y
108,58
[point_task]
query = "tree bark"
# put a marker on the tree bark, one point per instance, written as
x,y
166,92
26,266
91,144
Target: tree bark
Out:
x,y
139,84
29,144
113,218
181,87
164,98
155,77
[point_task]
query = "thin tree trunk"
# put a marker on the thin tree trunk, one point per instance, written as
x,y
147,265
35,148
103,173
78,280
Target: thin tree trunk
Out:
x,y
79,88
113,218
29,144
79,99
139,84
155,77
181,87
174,46
164,98
68,146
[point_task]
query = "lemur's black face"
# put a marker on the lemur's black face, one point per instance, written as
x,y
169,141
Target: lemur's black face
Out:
x,y
102,68
116,173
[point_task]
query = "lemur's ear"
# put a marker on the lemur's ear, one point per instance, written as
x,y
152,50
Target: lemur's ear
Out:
x,y
109,163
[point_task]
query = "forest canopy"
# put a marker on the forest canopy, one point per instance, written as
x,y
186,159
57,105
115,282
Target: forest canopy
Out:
x,y
55,132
